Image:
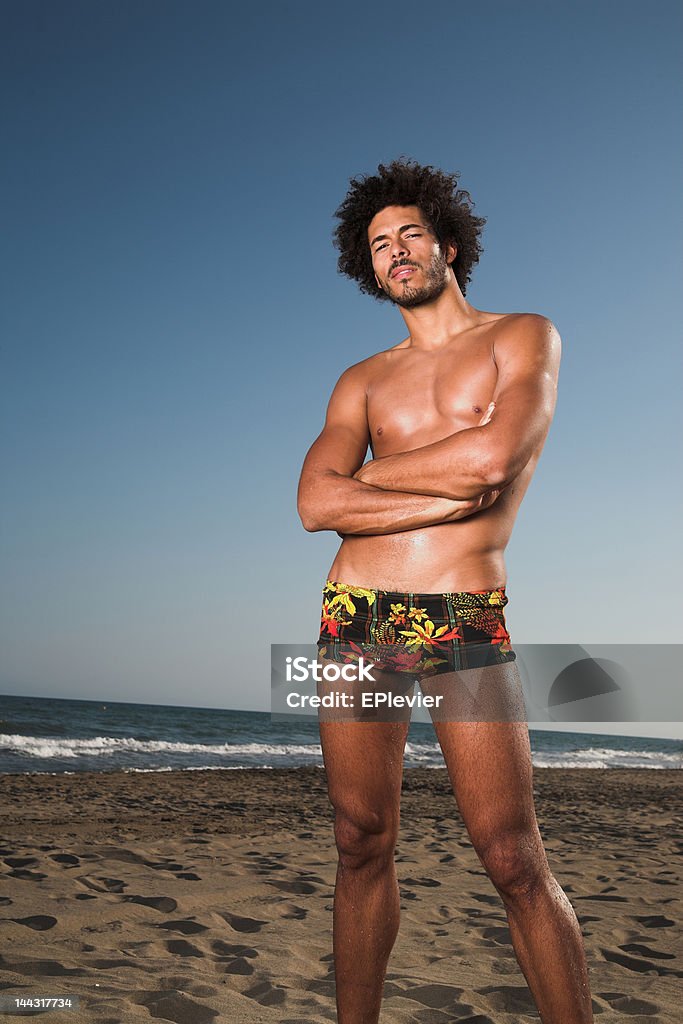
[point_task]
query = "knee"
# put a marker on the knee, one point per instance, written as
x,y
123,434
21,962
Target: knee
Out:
x,y
364,839
516,864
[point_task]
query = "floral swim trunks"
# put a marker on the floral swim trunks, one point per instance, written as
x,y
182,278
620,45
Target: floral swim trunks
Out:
x,y
420,634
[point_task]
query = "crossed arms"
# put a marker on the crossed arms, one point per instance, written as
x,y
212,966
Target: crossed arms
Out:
x,y
440,482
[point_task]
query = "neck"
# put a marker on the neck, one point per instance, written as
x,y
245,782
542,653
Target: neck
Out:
x,y
433,325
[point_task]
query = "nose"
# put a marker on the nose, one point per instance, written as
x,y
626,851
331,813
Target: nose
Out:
x,y
399,249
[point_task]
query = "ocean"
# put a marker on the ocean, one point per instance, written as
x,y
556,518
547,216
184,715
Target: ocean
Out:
x,y
43,734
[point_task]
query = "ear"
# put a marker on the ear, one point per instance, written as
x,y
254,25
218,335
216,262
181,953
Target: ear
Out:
x,y
378,283
450,253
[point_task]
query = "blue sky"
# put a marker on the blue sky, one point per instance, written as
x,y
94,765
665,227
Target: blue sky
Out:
x,y
174,321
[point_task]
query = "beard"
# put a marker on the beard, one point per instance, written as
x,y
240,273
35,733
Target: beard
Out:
x,y
436,279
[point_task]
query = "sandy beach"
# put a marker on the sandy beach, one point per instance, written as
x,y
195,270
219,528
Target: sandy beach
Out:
x,y
198,897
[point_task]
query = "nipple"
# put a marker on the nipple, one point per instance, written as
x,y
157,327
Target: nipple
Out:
x,y
476,408
380,430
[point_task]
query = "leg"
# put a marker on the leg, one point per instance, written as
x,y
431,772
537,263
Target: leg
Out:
x,y
364,764
489,764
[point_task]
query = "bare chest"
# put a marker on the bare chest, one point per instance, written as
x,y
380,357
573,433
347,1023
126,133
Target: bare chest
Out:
x,y
416,398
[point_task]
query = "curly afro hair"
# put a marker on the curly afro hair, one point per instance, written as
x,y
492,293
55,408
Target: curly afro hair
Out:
x,y
404,182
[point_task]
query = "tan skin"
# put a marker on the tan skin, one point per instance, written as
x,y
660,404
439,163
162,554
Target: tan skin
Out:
x,y
456,416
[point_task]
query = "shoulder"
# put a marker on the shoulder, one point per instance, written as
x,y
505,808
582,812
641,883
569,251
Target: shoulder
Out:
x,y
354,381
363,371
527,337
534,325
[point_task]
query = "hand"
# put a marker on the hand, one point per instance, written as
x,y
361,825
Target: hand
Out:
x,y
365,471
487,499
461,508
486,418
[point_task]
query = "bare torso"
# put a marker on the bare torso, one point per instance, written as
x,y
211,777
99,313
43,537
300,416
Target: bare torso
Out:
x,y
414,398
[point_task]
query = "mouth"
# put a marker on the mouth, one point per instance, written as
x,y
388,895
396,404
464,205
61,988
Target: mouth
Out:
x,y
403,271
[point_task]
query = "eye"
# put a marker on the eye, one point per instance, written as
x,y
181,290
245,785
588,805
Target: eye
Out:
x,y
380,247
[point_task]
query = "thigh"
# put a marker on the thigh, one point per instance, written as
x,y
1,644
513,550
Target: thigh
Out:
x,y
489,764
364,766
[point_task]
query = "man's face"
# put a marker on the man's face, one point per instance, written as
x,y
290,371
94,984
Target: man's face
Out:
x,y
406,257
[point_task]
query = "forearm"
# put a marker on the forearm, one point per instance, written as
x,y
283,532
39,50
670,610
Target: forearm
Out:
x,y
457,467
349,506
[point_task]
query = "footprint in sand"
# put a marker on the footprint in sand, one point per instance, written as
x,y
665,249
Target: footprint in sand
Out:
x,y
181,948
112,964
26,875
164,904
446,915
104,885
242,924
184,927
265,865
499,935
429,883
635,947
39,923
406,894
491,901
227,949
634,963
437,997
239,966
108,926
176,1007
654,921
629,1004
65,858
266,994
20,862
41,968
509,998
290,912
296,888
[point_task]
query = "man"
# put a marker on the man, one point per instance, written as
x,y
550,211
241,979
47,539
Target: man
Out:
x,y
456,415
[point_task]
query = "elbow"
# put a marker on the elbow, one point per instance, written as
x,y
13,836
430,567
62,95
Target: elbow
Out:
x,y
315,507
496,472
305,508
496,479
308,520
312,516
